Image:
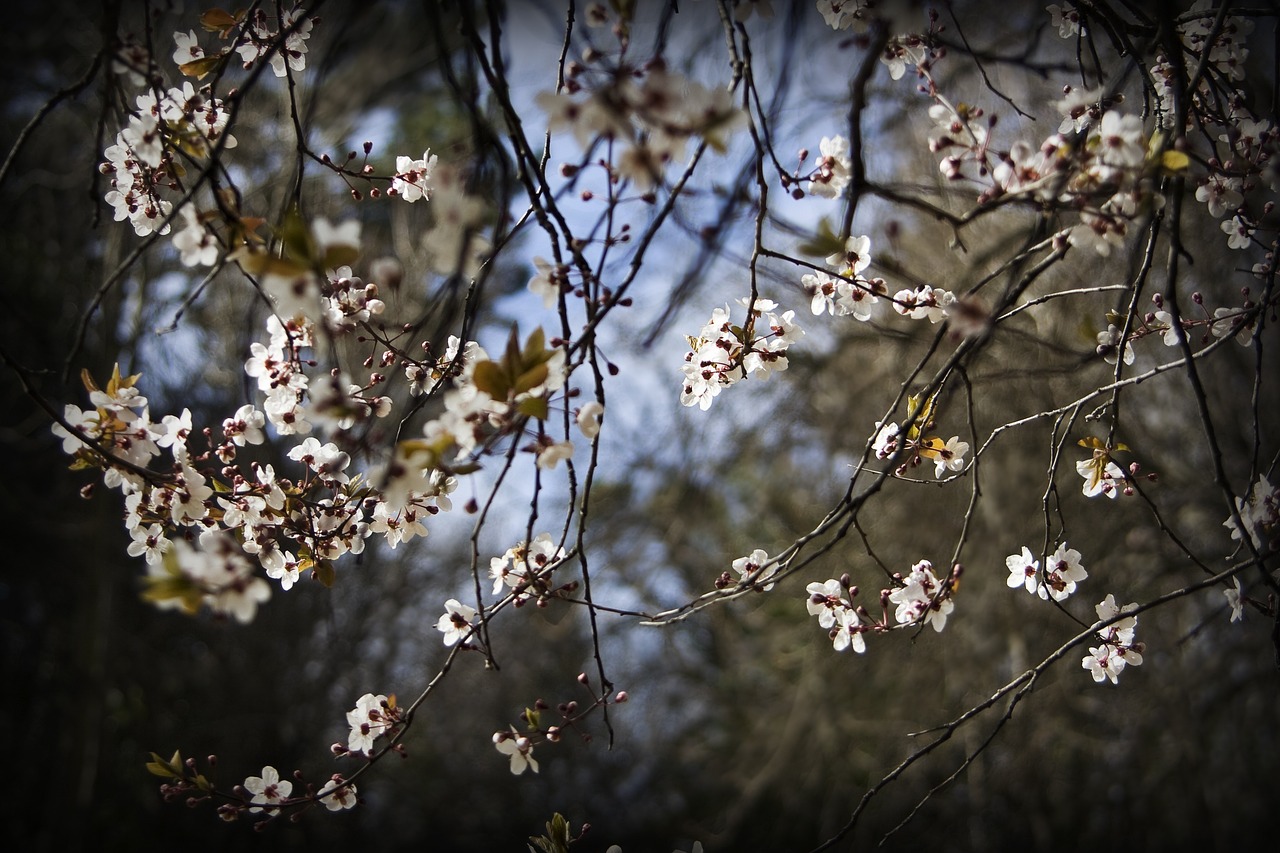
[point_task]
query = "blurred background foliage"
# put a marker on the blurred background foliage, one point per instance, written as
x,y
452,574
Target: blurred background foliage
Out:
x,y
746,731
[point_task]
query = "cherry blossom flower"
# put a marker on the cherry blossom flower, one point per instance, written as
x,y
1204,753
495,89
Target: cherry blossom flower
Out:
x,y
245,426
1104,662
280,565
1239,233
455,624
885,443
1079,107
337,795
1066,18
1233,321
1235,598
847,632
948,457
149,541
550,455
368,720
1023,570
589,417
1220,193
1104,479
826,600
261,38
1121,139
834,169
1109,343
547,282
922,598
267,788
519,748
188,48
196,244
1120,632
1062,572
412,180
749,568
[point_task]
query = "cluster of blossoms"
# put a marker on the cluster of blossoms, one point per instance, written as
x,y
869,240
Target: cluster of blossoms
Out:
x,y
526,569
856,15
920,598
264,794
911,449
1062,572
831,602
269,792
518,744
923,598
1101,162
847,291
491,399
185,122
258,38
202,529
723,353
648,114
142,161
1118,648
1239,322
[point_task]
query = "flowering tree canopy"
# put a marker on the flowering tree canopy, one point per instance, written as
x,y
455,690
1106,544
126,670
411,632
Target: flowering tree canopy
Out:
x,y
570,344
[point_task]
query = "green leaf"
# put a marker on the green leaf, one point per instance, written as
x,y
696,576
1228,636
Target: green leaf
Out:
x,y
531,378
171,769
219,21
557,839
534,407
489,377
258,262
199,68
299,245
340,256
535,347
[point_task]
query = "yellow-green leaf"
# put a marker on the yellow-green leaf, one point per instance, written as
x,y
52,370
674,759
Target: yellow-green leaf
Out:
x,y
296,236
491,379
199,68
531,378
256,262
534,407
535,346
340,256
171,769
219,21
1174,161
